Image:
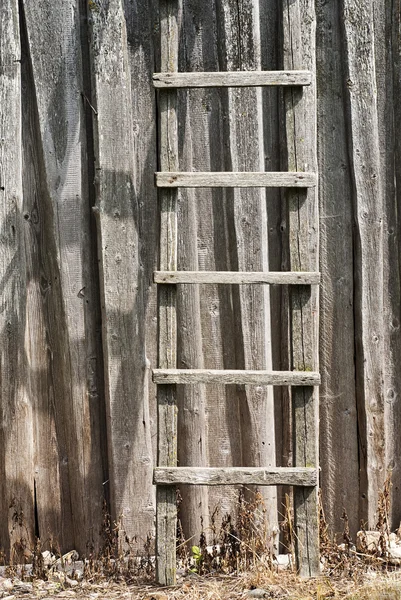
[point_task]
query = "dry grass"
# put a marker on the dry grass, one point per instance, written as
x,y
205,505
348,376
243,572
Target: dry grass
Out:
x,y
233,560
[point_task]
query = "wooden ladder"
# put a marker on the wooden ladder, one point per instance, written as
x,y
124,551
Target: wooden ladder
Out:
x,y
300,182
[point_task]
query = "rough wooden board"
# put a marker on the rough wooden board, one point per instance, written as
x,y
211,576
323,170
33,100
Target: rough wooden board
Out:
x,y
231,79
239,27
235,376
123,321
387,20
299,24
201,308
234,277
236,476
60,222
16,431
368,196
235,179
338,414
166,511
271,50
141,16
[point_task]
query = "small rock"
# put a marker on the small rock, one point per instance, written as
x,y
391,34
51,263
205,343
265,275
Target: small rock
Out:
x,y
283,561
78,574
23,587
7,585
48,558
71,582
257,593
367,540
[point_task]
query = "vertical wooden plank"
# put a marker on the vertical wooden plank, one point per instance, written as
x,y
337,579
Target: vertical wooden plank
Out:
x,y
368,202
300,117
62,343
386,18
123,319
239,28
202,413
16,427
271,41
393,154
142,37
339,457
166,511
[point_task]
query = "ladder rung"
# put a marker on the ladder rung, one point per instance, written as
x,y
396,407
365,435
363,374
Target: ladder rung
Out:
x,y
298,476
232,179
236,376
231,79
235,277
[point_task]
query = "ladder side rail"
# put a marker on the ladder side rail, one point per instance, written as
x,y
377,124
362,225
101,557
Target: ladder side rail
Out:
x,y
300,127
166,510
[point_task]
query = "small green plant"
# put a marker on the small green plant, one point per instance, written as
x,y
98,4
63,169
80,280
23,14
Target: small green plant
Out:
x,y
197,557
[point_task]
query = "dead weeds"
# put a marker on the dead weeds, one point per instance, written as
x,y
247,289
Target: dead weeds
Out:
x,y
234,559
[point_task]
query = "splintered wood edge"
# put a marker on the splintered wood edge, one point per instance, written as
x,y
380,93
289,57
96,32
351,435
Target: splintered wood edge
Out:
x,y
296,476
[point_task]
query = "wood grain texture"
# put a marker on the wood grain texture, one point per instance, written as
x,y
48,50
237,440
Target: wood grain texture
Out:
x,y
199,307
231,79
123,320
235,179
299,26
387,18
16,430
234,277
368,197
239,27
141,18
166,510
339,459
63,342
234,376
236,476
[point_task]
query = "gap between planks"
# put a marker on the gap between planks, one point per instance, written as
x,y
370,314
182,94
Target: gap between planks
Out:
x,y
232,79
235,376
296,476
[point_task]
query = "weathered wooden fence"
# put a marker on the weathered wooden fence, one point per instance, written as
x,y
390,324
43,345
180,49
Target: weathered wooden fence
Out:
x,y
79,238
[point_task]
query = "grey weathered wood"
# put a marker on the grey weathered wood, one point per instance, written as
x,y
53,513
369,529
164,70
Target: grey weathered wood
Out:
x,y
235,179
234,277
201,309
387,24
299,23
247,244
231,79
339,455
235,376
166,511
372,324
301,476
16,413
64,351
130,456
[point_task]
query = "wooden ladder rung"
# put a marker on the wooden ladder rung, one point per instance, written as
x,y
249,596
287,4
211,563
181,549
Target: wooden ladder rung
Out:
x,y
232,179
297,476
235,376
238,277
231,79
